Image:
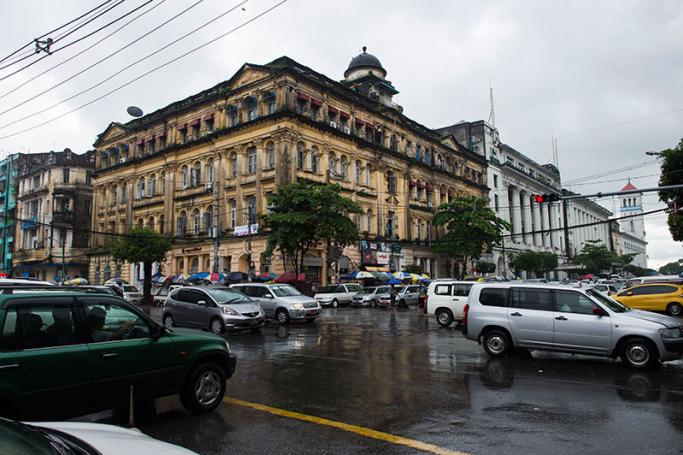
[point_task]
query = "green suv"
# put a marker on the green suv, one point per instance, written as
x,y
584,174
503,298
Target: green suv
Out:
x,y
64,354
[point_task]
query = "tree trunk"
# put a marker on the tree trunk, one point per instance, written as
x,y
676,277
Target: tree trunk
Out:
x,y
147,283
463,272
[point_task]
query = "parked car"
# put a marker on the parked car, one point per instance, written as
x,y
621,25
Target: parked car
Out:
x,y
606,289
577,320
24,281
59,438
653,279
67,354
131,294
281,302
446,300
654,297
405,295
161,293
337,294
369,296
214,308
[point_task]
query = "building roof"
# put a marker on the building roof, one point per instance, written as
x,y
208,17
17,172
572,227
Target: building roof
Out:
x,y
629,186
364,60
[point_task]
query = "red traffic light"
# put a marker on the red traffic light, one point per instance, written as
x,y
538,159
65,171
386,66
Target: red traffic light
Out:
x,y
538,198
541,198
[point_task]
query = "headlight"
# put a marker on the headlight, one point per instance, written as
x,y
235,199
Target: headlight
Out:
x,y
297,306
230,311
670,333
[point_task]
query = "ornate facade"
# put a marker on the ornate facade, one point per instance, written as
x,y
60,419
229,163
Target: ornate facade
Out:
x,y
200,170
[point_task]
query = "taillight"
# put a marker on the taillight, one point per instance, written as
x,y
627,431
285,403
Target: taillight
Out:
x,y
465,311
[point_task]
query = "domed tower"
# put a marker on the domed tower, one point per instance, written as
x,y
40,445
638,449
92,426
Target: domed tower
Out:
x,y
366,75
632,204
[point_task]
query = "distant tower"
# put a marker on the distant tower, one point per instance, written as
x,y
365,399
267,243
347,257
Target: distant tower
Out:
x,y
632,204
366,75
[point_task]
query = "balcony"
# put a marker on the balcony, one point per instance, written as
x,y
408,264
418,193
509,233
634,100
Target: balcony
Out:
x,y
146,200
31,223
63,218
33,192
32,255
194,191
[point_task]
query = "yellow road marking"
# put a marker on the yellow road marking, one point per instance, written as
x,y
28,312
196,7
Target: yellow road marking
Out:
x,y
367,432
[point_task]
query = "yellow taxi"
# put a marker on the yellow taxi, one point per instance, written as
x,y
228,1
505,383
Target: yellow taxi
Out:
x,y
654,297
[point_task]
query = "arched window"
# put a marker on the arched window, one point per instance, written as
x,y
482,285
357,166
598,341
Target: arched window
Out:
x,y
112,195
152,185
368,175
251,160
428,158
194,265
270,151
343,167
150,222
107,272
163,182
359,172
269,99
181,227
332,164
209,171
197,221
180,265
233,115
369,221
208,219
140,223
300,155
315,157
140,190
391,182
196,174
251,106
394,143
184,177
233,164
161,224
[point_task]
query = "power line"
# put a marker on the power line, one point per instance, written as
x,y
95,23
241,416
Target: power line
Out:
x,y
57,29
234,29
612,171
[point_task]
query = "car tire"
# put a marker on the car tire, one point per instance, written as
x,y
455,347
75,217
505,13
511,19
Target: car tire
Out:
x,y
674,309
168,321
373,303
334,303
216,326
204,389
444,317
639,353
282,316
496,343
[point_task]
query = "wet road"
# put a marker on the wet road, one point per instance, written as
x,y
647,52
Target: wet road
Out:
x,y
400,373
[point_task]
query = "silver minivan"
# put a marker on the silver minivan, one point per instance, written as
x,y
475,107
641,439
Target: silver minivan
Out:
x,y
281,302
577,320
214,308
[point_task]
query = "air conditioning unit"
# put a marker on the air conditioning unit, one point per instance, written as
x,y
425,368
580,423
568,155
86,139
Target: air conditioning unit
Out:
x,y
37,244
208,186
347,130
333,124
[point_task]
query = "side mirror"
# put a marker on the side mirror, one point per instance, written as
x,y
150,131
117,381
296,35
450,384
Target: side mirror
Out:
x,y
599,312
268,296
201,303
158,332
629,293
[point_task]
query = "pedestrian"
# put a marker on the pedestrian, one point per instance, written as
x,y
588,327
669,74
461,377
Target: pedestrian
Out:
x,y
392,296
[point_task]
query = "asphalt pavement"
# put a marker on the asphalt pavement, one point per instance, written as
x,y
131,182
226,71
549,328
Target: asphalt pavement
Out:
x,y
366,381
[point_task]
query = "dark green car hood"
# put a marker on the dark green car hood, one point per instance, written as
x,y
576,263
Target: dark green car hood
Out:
x,y
188,335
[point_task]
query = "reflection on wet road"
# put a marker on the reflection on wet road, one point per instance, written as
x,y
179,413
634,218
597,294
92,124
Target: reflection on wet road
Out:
x,y
401,374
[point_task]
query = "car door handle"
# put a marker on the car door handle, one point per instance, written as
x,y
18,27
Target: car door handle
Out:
x,y
516,313
561,318
456,298
10,366
109,355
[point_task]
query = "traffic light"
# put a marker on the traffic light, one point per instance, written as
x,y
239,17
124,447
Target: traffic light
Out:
x,y
541,198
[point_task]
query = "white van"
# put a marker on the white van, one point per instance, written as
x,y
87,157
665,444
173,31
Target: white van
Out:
x,y
446,300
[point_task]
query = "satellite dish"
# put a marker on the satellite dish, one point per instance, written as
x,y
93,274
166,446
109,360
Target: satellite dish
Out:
x,y
134,111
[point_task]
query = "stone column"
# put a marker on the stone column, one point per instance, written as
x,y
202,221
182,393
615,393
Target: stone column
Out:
x,y
545,225
515,214
527,218
538,237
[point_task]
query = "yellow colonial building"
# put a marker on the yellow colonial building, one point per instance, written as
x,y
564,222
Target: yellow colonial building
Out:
x,y
200,171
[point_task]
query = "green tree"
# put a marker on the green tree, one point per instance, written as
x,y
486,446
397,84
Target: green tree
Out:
x,y
596,257
303,214
413,268
639,271
144,245
486,267
471,227
672,163
672,268
539,263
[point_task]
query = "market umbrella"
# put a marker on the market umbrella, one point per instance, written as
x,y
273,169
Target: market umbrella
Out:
x,y
179,279
216,277
362,275
117,280
199,276
352,275
159,279
415,277
236,277
402,275
289,277
267,276
394,281
76,282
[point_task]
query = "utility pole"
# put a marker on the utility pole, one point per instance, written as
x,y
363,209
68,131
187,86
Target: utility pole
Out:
x,y
216,238
565,220
63,256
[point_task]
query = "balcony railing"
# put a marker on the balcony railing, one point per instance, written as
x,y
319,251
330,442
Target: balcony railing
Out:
x,y
63,217
31,223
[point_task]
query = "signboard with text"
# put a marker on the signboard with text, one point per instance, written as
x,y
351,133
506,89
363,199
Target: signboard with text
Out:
x,y
241,231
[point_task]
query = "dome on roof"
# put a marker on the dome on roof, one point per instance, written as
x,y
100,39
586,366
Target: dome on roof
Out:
x,y
365,61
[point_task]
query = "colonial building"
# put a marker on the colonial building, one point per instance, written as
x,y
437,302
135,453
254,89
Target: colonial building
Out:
x,y
54,199
592,223
205,165
514,179
8,204
633,229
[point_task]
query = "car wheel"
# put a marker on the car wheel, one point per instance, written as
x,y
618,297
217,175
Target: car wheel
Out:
x,y
282,316
496,343
168,321
335,304
638,353
444,317
204,389
373,303
216,326
674,309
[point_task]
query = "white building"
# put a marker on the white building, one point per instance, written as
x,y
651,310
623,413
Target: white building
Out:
x,y
592,221
513,179
633,229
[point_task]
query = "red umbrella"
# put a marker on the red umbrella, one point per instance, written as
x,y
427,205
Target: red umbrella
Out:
x,y
289,277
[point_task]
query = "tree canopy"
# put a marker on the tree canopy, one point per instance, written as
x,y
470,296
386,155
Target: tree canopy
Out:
x,y
596,257
302,214
538,263
672,268
471,227
140,244
672,163
485,267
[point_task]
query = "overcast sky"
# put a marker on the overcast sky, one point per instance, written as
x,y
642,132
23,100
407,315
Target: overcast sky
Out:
x,y
570,70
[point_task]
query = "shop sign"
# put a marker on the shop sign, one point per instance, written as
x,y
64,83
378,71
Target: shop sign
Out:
x,y
241,231
383,258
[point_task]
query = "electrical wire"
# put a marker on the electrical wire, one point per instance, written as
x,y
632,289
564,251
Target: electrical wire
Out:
x,y
163,65
613,171
82,51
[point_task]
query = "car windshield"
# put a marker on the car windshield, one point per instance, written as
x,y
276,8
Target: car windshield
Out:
x,y
41,440
329,289
383,290
227,296
367,291
610,303
285,291
130,289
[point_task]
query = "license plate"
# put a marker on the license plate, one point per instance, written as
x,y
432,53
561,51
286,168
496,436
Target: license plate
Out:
x,y
312,311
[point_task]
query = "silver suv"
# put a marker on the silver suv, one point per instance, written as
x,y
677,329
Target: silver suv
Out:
x,y
281,301
214,308
576,320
